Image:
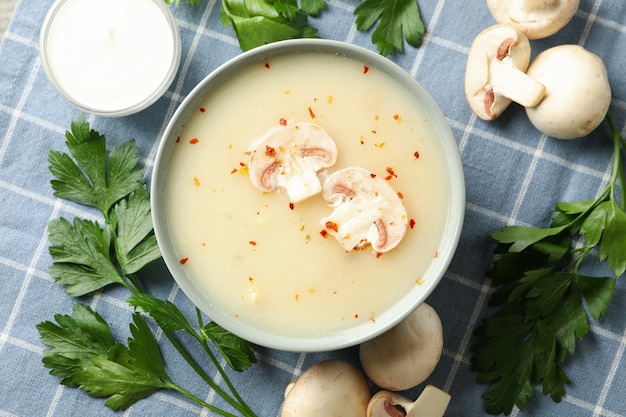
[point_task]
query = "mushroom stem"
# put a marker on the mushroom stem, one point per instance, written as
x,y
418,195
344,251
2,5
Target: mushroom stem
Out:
x,y
510,82
432,402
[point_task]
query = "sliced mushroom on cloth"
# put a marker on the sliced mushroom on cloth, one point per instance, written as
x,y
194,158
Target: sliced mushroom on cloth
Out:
x,y
432,402
495,72
365,210
289,157
537,19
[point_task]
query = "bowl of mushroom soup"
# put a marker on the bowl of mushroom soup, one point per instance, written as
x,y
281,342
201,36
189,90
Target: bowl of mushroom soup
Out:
x,y
308,195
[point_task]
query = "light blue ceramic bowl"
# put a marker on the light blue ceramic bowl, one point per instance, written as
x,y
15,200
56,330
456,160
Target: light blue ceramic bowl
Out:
x,y
359,333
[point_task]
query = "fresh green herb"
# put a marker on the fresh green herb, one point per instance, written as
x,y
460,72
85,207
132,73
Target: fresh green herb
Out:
x,y
259,22
87,257
541,293
396,19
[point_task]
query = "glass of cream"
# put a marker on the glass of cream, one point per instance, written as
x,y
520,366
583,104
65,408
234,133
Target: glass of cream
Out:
x,y
110,57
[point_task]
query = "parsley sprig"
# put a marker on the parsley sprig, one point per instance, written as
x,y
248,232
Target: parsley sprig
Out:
x,y
544,298
88,256
258,22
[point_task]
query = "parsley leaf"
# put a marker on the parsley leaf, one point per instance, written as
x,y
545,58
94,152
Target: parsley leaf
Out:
x,y
396,19
87,257
126,374
259,22
73,341
93,179
237,352
81,256
135,244
542,299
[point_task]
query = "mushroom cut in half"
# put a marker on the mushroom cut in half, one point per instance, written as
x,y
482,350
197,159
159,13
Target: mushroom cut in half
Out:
x,y
432,402
366,210
537,19
495,73
289,157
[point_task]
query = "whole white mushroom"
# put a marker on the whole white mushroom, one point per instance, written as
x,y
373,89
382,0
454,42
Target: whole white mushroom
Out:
x,y
578,93
330,388
406,355
535,18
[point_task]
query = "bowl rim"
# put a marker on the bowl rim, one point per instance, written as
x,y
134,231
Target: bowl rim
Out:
x,y
387,319
144,103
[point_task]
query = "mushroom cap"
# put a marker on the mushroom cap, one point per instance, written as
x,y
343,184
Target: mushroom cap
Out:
x,y
366,209
330,388
578,93
289,156
407,354
537,19
495,72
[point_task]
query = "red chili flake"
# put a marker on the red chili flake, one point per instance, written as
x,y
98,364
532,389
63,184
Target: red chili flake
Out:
x,y
362,140
282,121
324,233
202,109
400,195
412,223
416,155
269,151
373,131
365,69
250,279
235,170
332,226
183,261
391,173
378,255
356,316
178,139
396,116
311,113
194,141
252,242
267,65
291,206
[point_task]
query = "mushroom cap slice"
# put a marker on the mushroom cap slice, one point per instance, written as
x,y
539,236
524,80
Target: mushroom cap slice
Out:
x,y
407,354
578,93
330,388
366,210
289,157
495,72
537,19
432,402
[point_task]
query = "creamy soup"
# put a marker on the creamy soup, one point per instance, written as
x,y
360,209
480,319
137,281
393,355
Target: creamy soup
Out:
x,y
263,258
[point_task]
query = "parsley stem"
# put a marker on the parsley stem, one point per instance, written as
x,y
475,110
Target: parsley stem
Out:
x,y
192,362
218,366
618,172
176,387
